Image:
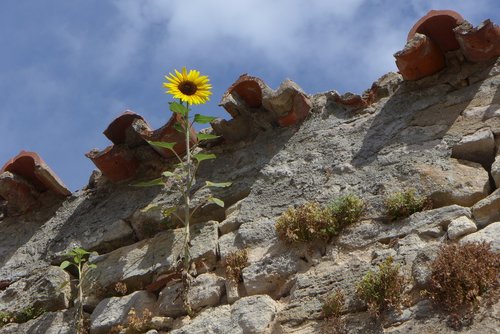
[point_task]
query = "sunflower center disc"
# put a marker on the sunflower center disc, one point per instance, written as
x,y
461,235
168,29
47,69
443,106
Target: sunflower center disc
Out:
x,y
187,88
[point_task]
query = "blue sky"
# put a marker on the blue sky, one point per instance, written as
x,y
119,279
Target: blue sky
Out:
x,y
67,68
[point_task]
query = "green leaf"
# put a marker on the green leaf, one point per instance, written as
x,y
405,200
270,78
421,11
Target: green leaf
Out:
x,y
168,212
179,127
205,136
93,266
64,264
202,156
168,174
163,144
218,185
63,285
217,201
149,207
178,108
151,183
80,251
202,119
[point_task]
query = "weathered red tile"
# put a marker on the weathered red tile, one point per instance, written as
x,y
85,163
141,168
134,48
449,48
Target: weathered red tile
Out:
x,y
420,58
34,170
438,25
300,110
127,129
481,43
116,162
249,89
168,133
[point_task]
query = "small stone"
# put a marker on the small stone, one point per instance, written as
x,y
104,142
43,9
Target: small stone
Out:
x,y
115,310
487,210
490,233
477,147
232,291
170,301
205,290
461,226
495,171
41,290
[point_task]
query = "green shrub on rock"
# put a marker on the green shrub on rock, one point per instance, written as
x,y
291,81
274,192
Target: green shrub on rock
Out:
x,y
305,223
333,306
405,203
382,289
311,221
347,209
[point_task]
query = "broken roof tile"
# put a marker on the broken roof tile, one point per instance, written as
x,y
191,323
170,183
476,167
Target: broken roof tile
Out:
x,y
168,133
34,170
116,162
420,58
249,89
438,25
127,129
480,43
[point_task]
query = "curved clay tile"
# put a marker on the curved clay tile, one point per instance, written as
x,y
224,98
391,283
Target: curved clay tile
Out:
x,y
438,25
168,133
116,162
481,43
420,58
35,171
127,129
249,89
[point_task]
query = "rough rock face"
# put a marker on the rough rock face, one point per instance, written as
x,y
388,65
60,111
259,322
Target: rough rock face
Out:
x,y
438,133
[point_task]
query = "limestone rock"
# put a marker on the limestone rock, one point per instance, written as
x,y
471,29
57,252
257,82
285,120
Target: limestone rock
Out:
x,y
114,311
205,290
311,287
430,223
40,290
170,301
135,264
249,315
495,171
477,147
268,275
259,233
254,314
490,233
464,183
487,210
62,322
146,223
461,226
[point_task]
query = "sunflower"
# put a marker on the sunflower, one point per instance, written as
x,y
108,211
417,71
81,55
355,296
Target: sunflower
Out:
x,y
191,87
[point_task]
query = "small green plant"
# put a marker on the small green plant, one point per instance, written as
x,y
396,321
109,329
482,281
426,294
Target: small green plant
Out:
x,y
79,257
5,318
461,275
333,306
382,289
305,223
405,203
235,262
311,221
26,314
347,209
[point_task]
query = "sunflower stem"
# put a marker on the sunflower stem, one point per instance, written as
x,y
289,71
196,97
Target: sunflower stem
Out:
x,y
187,199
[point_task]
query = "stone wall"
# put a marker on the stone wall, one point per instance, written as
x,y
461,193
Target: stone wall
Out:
x,y
439,134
